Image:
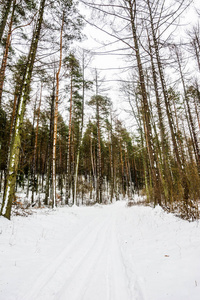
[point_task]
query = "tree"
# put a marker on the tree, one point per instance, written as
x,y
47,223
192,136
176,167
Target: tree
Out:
x,y
16,13
5,9
56,119
101,104
16,139
72,65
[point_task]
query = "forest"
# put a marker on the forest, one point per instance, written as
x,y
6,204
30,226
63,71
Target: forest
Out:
x,y
61,139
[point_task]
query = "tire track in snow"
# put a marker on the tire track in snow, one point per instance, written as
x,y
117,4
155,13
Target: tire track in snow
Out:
x,y
119,267
109,282
50,271
135,283
78,280
91,267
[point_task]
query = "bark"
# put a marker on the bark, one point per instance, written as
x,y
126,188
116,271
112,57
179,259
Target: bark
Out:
x,y
6,51
49,148
16,141
196,50
80,139
111,163
122,169
195,43
69,145
99,178
72,150
13,115
5,13
60,172
197,112
193,131
35,148
5,56
128,172
185,183
166,178
147,121
56,120
93,165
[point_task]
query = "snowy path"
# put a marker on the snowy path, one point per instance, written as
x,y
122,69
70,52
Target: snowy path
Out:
x,y
99,253
89,265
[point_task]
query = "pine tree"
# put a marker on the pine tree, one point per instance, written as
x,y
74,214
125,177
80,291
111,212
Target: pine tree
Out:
x,y
16,139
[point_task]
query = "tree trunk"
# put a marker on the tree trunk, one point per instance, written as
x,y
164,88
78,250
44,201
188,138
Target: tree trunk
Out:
x,y
164,142
56,120
50,148
16,141
111,163
5,56
99,179
145,106
184,180
193,132
35,147
5,13
81,134
69,146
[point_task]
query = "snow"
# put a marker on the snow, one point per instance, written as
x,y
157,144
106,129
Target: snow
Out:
x,y
111,252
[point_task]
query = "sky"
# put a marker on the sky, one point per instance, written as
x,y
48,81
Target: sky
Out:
x,y
111,67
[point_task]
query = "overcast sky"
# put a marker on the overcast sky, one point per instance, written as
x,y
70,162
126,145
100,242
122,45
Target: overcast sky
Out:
x,y
111,67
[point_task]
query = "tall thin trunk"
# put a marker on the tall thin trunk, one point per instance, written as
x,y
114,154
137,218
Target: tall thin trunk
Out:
x,y
60,172
193,132
145,106
184,179
92,164
16,141
163,135
81,132
147,178
50,147
35,147
128,174
56,120
98,166
197,112
195,43
12,123
5,55
99,179
6,51
69,145
111,162
5,13
72,161
122,168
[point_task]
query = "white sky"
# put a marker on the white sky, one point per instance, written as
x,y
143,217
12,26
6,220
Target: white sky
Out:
x,y
94,41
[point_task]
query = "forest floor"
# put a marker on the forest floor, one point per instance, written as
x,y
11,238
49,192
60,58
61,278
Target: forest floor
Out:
x,y
111,252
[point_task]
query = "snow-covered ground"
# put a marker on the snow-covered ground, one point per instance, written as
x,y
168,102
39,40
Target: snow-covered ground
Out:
x,y
109,252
